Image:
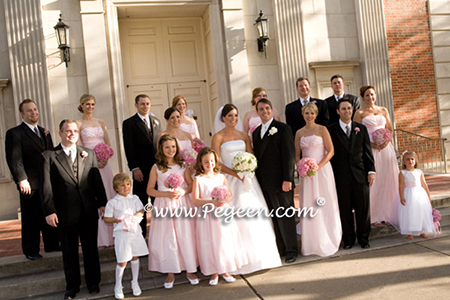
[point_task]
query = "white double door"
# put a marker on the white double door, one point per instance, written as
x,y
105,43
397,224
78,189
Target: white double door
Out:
x,y
164,58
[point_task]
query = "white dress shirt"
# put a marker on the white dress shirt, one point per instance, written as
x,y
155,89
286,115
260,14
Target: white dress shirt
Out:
x,y
265,127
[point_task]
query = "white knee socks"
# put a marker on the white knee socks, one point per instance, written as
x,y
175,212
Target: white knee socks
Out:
x,y
135,270
119,275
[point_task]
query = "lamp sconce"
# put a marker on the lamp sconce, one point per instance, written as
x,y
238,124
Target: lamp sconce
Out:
x,y
62,36
263,29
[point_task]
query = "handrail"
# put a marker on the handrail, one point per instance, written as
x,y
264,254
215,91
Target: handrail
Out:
x,y
430,152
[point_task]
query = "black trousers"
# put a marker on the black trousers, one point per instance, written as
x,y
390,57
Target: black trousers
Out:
x,y
33,222
140,190
284,226
354,196
84,231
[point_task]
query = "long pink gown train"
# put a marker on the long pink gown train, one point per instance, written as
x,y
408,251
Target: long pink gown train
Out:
x,y
321,234
90,137
384,191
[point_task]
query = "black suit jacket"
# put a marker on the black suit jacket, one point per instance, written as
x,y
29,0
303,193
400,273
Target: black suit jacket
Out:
x,y
276,156
294,116
23,151
65,194
354,159
332,106
139,148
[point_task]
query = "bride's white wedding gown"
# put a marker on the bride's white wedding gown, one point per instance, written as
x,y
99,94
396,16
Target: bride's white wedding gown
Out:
x,y
257,232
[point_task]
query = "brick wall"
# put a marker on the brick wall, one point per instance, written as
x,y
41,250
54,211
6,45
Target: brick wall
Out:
x,y
411,65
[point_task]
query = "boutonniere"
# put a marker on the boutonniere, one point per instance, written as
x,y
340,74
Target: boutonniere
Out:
x,y
273,130
46,132
314,101
84,154
155,123
357,130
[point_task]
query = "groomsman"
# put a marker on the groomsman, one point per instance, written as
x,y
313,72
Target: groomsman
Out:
x,y
24,145
273,145
338,84
72,192
140,136
293,111
354,172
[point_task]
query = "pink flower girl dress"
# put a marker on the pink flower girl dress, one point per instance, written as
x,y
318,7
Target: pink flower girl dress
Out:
x,y
90,137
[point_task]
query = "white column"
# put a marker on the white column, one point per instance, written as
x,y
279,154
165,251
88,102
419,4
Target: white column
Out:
x,y
27,58
291,47
374,50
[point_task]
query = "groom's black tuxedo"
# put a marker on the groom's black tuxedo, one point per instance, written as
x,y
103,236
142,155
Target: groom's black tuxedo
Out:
x,y
75,197
352,161
140,149
332,106
294,116
23,151
276,161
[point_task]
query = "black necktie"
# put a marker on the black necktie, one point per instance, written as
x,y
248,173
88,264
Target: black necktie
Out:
x,y
36,130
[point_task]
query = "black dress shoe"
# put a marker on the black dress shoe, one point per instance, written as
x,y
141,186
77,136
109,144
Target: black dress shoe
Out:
x,y
94,289
290,258
69,295
364,246
33,256
348,246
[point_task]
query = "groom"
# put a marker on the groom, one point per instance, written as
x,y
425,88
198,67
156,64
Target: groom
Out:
x,y
273,145
354,172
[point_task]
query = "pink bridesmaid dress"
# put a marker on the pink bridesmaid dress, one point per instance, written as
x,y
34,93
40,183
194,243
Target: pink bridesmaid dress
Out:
x,y
90,137
171,241
384,190
321,234
219,245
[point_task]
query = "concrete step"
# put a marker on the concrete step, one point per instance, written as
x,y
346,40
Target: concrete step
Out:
x,y
442,200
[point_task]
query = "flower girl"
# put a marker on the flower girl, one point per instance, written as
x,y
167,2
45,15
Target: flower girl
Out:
x,y
125,211
414,212
219,244
171,240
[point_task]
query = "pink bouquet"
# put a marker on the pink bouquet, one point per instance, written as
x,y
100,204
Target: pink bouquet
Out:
x,y
174,181
436,218
103,151
220,193
189,157
307,167
130,222
381,136
198,144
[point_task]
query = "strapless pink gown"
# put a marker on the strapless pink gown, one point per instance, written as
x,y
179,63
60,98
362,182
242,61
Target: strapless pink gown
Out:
x,y
190,128
253,123
219,245
321,234
384,190
171,241
184,145
90,137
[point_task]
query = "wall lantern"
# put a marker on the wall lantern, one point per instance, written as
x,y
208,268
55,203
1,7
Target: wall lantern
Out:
x,y
62,36
263,28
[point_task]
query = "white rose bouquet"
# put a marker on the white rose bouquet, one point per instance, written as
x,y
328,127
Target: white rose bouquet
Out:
x,y
244,164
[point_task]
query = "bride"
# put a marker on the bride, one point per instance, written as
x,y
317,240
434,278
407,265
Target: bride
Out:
x,y
257,232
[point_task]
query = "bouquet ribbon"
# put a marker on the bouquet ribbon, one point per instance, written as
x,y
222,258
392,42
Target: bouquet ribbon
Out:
x,y
438,228
248,178
130,222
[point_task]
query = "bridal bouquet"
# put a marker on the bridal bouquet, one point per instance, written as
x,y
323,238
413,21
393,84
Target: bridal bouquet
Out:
x,y
220,193
130,222
198,144
103,151
189,156
436,218
307,167
381,136
174,181
244,164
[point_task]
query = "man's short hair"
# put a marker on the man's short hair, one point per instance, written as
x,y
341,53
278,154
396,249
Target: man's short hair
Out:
x,y
61,125
264,100
136,100
336,76
301,79
26,101
344,100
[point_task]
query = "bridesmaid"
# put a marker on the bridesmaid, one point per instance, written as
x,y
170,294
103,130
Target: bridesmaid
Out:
x,y
321,234
187,124
173,118
251,118
384,190
92,132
